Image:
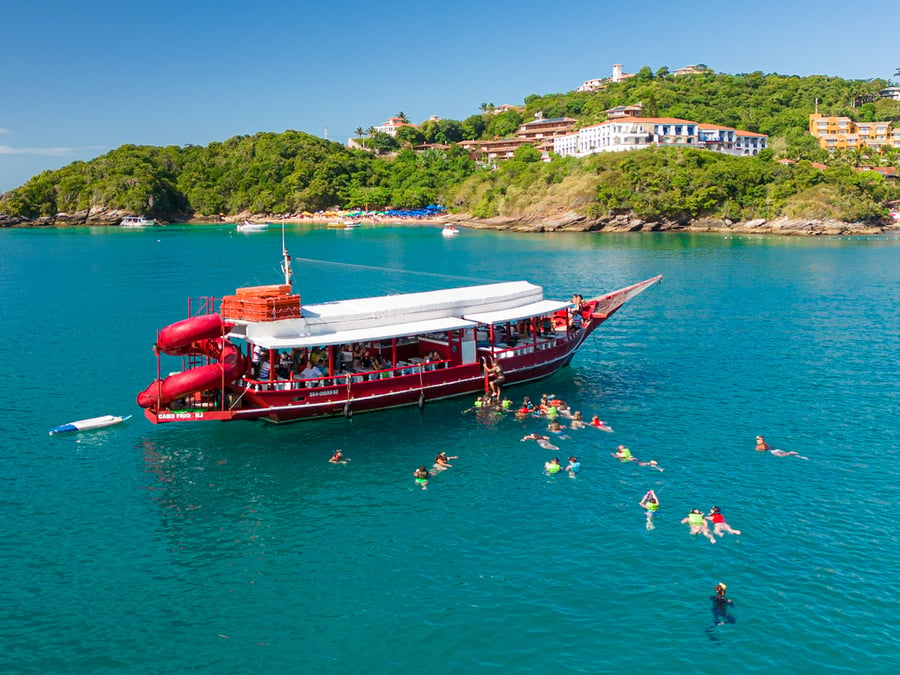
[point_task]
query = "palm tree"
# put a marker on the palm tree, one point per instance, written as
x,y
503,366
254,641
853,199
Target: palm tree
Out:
x,y
402,116
360,132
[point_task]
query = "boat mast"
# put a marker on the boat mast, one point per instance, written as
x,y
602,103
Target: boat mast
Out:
x,y
285,260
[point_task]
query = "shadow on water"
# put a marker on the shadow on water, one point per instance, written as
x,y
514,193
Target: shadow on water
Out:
x,y
720,616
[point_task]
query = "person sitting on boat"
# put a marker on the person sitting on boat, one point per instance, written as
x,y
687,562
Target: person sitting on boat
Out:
x,y
547,327
496,382
312,374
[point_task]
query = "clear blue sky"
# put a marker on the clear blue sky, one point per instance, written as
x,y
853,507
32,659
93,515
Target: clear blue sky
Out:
x,y
82,78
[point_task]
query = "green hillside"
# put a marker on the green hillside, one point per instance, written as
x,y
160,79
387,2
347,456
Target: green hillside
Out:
x,y
292,172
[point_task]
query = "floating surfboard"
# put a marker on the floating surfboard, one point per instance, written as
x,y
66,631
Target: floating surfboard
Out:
x,y
88,424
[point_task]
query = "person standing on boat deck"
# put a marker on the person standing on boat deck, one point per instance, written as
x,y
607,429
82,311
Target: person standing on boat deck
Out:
x,y
499,377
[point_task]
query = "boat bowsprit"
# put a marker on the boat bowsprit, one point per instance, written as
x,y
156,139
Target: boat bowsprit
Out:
x,y
89,424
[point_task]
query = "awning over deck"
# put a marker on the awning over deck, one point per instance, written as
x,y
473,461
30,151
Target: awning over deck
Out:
x,y
516,313
257,333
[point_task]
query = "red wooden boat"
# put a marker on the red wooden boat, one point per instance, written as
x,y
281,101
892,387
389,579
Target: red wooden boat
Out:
x,y
253,359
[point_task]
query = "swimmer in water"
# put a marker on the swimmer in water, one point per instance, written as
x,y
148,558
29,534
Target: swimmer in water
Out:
x,y
576,421
555,427
597,423
543,441
762,446
573,467
422,475
720,605
650,504
338,457
698,524
720,527
441,461
553,466
623,454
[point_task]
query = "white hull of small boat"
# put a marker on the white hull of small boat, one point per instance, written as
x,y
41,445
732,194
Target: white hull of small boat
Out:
x,y
247,226
88,424
449,232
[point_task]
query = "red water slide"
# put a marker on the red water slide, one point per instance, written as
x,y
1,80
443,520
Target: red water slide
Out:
x,y
198,335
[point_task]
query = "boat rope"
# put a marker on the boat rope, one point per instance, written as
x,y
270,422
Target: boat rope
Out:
x,y
375,268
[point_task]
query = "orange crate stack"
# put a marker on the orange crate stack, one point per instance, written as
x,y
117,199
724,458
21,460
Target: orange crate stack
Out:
x,y
271,308
232,307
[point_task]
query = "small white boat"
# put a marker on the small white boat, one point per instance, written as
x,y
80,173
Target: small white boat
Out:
x,y
88,424
449,231
247,226
137,221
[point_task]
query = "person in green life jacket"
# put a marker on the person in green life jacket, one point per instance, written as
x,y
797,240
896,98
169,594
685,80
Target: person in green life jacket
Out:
x,y
698,524
553,466
623,454
422,475
650,503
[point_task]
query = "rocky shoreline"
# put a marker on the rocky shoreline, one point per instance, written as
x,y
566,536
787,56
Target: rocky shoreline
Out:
x,y
574,222
559,222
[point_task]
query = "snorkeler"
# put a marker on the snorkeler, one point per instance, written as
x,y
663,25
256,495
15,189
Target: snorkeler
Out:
x,y
338,457
650,503
720,605
597,423
422,475
543,441
553,466
762,446
573,467
441,461
623,454
720,527
698,524
576,422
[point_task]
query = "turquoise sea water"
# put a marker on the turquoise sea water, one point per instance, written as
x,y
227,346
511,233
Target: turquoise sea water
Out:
x,y
237,548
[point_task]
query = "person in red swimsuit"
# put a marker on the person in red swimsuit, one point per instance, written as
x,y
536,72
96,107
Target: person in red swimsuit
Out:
x,y
720,527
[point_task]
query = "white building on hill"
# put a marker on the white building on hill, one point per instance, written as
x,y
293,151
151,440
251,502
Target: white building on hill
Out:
x,y
637,133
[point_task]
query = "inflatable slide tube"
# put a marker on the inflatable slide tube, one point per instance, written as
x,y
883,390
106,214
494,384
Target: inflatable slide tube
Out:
x,y
176,338
162,393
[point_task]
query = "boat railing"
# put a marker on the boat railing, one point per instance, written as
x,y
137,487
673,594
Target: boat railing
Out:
x,y
341,379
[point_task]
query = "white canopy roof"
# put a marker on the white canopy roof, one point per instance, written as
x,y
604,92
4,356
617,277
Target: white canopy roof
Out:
x,y
270,341
384,317
516,313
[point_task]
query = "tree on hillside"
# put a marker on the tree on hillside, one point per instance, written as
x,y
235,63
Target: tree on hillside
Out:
x,y
403,117
360,132
486,107
409,136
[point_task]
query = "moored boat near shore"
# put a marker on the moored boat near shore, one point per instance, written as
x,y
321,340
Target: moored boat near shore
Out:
x,y
137,221
263,356
249,226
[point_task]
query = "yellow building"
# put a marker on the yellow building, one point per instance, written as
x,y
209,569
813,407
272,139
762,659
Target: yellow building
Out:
x,y
840,133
